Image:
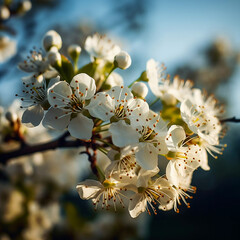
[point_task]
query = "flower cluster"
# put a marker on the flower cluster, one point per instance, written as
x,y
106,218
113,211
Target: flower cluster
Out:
x,y
93,105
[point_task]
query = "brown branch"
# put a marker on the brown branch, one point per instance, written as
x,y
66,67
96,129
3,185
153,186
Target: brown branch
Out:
x,y
232,119
61,142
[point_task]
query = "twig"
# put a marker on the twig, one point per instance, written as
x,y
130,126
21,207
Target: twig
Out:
x,y
232,119
61,142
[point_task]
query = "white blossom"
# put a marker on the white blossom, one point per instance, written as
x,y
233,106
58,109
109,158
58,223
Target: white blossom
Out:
x,y
150,193
36,63
201,121
145,135
180,185
101,47
34,97
68,102
117,103
187,157
108,192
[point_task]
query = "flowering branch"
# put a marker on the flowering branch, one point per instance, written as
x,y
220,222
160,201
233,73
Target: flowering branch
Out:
x,y
102,114
232,119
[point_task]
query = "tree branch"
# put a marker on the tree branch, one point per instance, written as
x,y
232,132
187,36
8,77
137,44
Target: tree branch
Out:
x,y
61,142
232,119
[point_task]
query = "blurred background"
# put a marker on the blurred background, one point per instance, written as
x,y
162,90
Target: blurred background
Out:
x,y
197,40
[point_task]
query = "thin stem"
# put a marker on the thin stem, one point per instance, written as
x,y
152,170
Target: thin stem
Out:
x,y
101,130
232,119
138,80
103,150
107,143
152,103
26,149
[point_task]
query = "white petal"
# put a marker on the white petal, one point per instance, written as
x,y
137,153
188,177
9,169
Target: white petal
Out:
x,y
59,94
81,127
147,156
123,134
53,81
101,106
204,160
89,189
175,178
137,205
138,113
56,118
83,84
176,136
33,81
161,145
153,76
120,93
171,174
145,175
33,116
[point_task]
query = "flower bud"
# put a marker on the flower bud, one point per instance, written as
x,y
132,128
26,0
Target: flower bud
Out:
x,y
4,13
74,51
52,38
54,58
140,89
169,99
24,7
122,60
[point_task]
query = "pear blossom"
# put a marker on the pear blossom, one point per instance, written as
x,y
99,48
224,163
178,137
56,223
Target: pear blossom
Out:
x,y
107,192
123,163
101,47
186,157
201,121
180,185
36,63
146,137
117,103
34,96
68,103
209,102
150,193
155,75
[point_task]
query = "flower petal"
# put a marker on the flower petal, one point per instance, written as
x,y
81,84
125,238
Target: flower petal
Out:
x,y
123,134
89,189
59,94
33,116
101,106
176,136
56,118
83,85
81,127
147,156
137,205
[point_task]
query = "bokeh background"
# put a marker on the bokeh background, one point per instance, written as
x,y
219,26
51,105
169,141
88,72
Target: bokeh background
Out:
x,y
198,40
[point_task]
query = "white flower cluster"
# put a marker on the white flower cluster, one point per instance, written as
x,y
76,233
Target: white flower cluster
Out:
x,y
93,104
